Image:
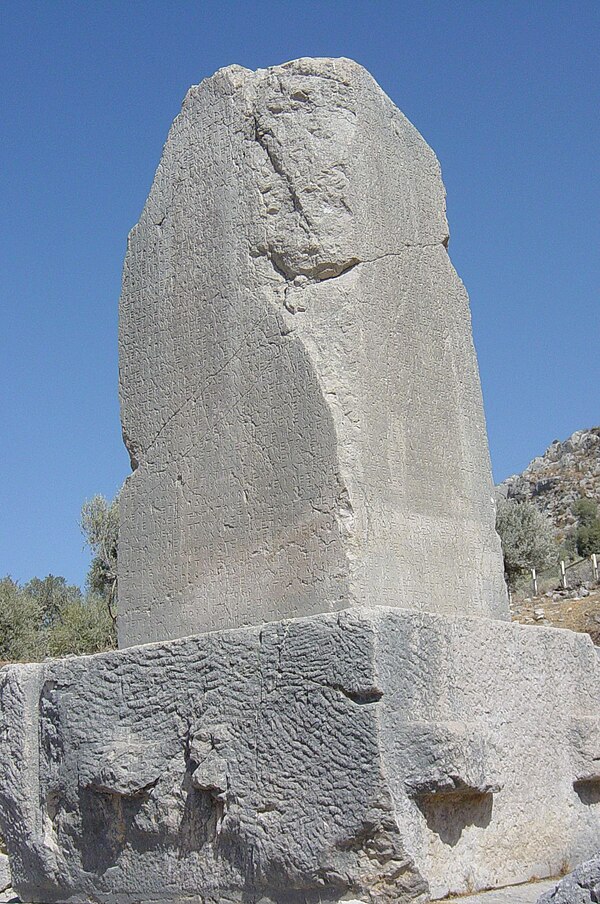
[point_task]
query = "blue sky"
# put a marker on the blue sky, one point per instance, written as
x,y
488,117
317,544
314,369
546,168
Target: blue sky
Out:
x,y
507,94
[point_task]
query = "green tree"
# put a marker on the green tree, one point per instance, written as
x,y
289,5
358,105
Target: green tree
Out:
x,y
527,538
47,616
22,635
588,540
587,535
100,526
586,511
52,594
85,626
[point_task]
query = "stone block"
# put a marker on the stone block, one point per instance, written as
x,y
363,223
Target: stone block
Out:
x,y
299,388
376,754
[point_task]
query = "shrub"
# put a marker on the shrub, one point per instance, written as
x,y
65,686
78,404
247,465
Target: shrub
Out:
x,y
585,511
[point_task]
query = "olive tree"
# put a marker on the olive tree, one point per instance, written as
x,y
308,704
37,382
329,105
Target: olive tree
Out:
x,y
100,526
527,538
587,535
85,626
22,637
52,594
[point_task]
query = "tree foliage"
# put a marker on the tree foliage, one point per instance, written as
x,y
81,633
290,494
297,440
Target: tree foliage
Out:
x,y
588,540
100,526
587,535
586,511
85,626
21,624
526,536
52,595
48,617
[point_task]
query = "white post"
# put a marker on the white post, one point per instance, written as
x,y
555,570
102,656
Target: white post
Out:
x,y
534,581
563,574
595,566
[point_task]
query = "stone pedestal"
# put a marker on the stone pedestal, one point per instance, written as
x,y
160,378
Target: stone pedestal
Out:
x,y
377,754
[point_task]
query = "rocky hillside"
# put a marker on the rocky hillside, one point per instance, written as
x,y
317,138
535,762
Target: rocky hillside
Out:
x,y
555,480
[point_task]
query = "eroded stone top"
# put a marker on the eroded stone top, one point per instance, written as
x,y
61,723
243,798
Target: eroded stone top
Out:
x,y
299,389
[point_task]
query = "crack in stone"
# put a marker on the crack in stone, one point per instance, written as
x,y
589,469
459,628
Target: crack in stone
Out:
x,y
405,247
290,276
260,138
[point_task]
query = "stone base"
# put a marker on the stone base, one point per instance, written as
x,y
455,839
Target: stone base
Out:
x,y
374,754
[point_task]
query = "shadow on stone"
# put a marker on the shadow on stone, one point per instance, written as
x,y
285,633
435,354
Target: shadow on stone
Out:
x,y
588,791
201,817
106,824
449,814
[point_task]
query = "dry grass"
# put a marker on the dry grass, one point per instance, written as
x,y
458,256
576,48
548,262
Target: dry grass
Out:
x,y
582,615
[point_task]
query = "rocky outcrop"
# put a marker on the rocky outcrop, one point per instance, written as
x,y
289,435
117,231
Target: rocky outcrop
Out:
x,y
299,388
563,474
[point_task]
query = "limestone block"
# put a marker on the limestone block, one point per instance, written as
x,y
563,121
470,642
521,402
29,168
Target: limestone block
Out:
x,y
299,389
379,755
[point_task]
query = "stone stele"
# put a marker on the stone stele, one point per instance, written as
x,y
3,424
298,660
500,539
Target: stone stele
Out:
x,y
349,715
299,389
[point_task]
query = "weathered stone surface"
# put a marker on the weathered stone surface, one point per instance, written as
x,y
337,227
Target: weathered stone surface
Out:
x,y
379,755
5,880
582,886
299,389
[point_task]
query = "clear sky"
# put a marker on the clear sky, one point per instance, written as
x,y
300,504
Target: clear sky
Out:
x,y
508,95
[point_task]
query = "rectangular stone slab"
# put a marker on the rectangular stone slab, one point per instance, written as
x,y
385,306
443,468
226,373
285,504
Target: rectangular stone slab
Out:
x,y
376,754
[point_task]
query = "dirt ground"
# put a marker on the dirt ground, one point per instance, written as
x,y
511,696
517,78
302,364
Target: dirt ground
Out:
x,y
562,609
